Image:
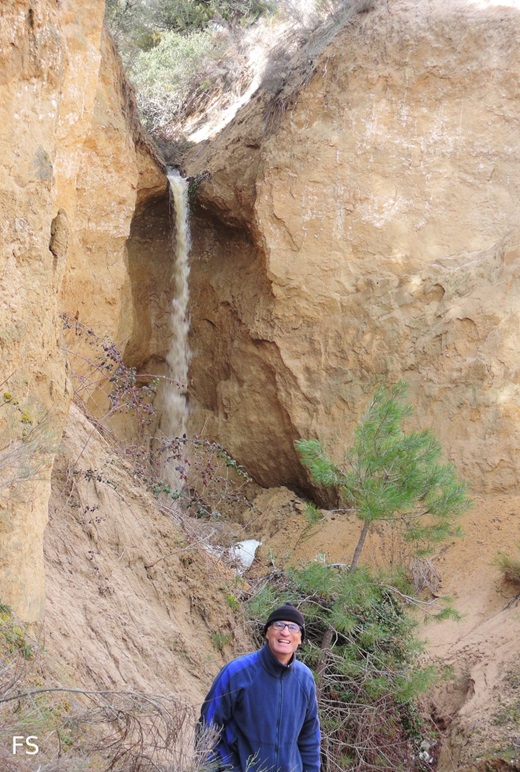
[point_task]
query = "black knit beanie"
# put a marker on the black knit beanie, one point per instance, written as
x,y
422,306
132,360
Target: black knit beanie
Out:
x,y
286,613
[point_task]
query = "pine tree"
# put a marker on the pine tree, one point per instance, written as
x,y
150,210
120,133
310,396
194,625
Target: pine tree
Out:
x,y
392,475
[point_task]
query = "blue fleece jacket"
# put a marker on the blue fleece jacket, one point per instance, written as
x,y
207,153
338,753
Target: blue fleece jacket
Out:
x,y
267,715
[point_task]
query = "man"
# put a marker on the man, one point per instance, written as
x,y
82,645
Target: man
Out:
x,y
264,705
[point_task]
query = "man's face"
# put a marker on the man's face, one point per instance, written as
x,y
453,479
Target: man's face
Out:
x,y
283,643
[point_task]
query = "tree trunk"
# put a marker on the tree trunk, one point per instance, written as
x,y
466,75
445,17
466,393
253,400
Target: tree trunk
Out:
x,y
322,661
360,545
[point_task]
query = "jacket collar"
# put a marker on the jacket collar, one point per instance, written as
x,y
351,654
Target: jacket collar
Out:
x,y
272,664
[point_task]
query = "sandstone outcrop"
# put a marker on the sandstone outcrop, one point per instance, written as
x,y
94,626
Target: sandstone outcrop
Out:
x,y
72,168
363,224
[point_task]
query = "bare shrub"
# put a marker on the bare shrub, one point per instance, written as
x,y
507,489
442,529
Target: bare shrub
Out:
x,y
424,575
208,478
103,384
141,732
120,731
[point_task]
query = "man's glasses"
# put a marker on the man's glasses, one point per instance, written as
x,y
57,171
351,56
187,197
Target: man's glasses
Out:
x,y
282,625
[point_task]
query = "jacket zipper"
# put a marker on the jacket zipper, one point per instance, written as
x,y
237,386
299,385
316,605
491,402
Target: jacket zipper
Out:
x,y
279,723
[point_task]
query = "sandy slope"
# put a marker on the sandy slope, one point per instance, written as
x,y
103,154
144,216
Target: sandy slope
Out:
x,y
134,603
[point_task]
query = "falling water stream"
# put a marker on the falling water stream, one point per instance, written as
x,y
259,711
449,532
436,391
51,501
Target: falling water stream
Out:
x,y
173,423
175,414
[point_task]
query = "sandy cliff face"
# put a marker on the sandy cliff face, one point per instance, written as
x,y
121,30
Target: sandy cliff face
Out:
x,y
70,176
359,222
383,243
34,66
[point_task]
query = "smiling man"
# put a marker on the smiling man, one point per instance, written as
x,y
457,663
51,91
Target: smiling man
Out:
x,y
264,705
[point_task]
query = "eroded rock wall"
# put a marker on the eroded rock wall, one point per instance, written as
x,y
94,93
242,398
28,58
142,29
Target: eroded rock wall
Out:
x,y
384,244
72,170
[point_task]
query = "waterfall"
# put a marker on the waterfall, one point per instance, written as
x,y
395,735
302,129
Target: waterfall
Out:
x,y
173,422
